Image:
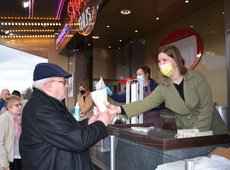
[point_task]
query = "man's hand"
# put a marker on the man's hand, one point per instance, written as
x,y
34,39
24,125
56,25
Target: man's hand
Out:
x,y
93,118
104,117
113,109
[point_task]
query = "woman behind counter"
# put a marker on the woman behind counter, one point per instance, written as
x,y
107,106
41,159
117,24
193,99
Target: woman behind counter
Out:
x,y
84,100
10,128
153,115
185,92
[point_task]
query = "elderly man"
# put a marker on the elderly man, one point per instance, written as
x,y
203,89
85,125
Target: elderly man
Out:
x,y
51,137
4,94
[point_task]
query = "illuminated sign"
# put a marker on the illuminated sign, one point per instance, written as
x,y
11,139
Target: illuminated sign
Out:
x,y
83,14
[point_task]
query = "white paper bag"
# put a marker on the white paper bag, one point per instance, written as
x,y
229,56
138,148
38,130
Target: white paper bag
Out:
x,y
100,85
100,96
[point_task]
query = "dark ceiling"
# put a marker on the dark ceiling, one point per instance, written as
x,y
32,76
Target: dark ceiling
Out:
x,y
122,27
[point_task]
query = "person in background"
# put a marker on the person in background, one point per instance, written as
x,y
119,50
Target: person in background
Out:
x,y
10,128
51,137
119,93
143,73
185,92
4,94
16,93
84,99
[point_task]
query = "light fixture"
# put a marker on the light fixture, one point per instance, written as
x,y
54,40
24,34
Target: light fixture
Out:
x,y
28,36
24,18
108,26
186,1
32,24
25,4
125,11
157,18
136,30
95,37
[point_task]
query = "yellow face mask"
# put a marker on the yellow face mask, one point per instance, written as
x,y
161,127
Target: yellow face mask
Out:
x,y
167,69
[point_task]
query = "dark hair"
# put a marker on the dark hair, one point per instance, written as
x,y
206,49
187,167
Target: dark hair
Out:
x,y
145,69
16,93
173,51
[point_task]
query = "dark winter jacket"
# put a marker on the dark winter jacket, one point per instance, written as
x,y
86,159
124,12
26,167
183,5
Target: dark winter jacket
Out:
x,y
51,137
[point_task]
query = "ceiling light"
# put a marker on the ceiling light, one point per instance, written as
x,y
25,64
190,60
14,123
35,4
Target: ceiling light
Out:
x,y
95,37
136,30
25,4
107,26
157,18
120,40
186,1
125,11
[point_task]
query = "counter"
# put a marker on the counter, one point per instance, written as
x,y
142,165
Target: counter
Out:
x,y
138,150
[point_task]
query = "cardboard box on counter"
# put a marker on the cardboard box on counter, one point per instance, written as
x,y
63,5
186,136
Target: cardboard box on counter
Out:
x,y
224,152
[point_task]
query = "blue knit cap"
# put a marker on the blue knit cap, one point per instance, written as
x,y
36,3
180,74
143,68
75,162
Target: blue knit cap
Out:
x,y
46,70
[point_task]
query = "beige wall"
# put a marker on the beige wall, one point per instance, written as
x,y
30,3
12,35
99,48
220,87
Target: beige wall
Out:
x,y
213,61
62,60
104,64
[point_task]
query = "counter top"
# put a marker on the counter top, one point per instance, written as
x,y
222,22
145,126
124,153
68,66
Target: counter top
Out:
x,y
162,139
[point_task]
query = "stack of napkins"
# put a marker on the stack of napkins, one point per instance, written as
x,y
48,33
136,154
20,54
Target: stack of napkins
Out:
x,y
142,129
187,133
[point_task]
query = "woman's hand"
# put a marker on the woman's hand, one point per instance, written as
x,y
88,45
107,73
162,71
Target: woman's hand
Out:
x,y
113,109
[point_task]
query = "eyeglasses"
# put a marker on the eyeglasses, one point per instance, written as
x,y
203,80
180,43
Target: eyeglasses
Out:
x,y
17,105
64,81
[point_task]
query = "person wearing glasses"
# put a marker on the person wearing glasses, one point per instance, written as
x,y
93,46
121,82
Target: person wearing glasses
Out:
x,y
10,128
85,100
51,137
16,93
185,92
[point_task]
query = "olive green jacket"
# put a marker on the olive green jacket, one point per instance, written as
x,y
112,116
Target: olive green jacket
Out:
x,y
196,112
